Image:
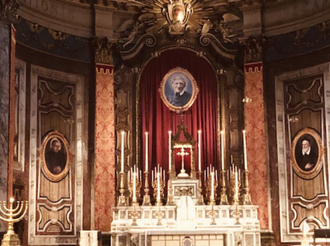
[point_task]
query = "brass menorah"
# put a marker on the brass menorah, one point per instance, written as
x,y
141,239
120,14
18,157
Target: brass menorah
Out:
x,y
12,215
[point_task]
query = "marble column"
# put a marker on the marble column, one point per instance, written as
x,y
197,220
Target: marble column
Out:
x,y
254,114
8,14
104,137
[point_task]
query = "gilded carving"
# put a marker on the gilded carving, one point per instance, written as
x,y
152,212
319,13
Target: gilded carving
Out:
x,y
8,10
103,52
57,35
253,49
178,18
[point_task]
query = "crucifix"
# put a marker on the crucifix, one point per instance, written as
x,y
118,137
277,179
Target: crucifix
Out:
x,y
182,153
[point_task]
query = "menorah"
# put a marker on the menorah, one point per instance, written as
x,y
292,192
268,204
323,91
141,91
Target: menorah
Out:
x,y
12,215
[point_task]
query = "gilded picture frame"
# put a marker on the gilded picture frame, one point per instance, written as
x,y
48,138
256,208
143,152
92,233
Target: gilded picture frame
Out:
x,y
178,90
55,156
307,153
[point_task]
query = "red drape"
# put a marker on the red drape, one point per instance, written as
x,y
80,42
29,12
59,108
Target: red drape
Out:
x,y
157,119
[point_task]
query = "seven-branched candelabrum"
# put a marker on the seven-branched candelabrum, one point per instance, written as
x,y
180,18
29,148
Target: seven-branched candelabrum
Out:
x,y
12,215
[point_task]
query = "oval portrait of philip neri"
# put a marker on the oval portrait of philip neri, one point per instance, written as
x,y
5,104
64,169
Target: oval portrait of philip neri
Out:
x,y
307,153
55,156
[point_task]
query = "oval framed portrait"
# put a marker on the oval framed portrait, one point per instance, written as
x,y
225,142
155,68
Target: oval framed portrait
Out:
x,y
55,156
307,153
178,90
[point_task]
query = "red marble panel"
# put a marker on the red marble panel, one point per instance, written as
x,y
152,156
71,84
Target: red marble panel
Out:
x,y
104,148
255,140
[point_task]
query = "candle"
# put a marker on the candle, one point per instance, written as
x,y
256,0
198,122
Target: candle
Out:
x,y
199,150
122,151
244,148
129,179
134,186
212,185
158,186
222,154
236,186
146,151
152,175
239,174
169,150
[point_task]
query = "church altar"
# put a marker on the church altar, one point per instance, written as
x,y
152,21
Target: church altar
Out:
x,y
185,210
184,220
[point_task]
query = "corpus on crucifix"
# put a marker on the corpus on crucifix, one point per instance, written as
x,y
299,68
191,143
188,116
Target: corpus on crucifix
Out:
x,y
182,153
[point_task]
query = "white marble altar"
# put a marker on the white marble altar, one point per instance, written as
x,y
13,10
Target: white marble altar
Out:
x,y
171,224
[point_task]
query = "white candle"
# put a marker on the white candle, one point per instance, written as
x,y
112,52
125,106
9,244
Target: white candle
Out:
x,y
222,153
244,148
158,186
152,175
236,186
134,186
146,151
122,151
169,150
212,185
199,151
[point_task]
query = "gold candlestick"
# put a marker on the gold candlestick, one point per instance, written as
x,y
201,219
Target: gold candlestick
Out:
x,y
13,215
223,196
121,198
162,186
200,198
170,201
138,185
246,198
159,214
236,214
135,214
209,190
212,214
146,197
234,186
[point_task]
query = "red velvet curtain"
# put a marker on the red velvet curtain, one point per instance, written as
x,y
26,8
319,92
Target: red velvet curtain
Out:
x,y
157,119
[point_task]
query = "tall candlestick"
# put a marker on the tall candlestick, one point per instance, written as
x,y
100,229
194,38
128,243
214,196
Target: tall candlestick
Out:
x,y
199,151
122,151
236,186
169,150
212,185
134,186
146,151
158,186
222,153
244,148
